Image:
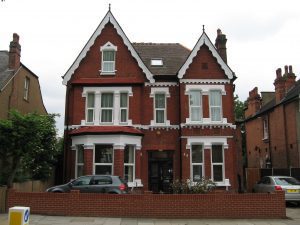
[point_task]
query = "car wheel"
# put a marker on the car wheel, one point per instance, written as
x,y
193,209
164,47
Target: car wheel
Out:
x,y
57,192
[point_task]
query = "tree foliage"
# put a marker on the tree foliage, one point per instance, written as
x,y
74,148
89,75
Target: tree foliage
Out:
x,y
239,107
28,144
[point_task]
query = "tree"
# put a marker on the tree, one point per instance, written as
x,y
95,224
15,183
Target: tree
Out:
x,y
27,143
239,107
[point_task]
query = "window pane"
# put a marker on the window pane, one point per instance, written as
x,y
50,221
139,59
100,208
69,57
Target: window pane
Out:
x,y
91,100
128,173
197,154
123,115
108,66
107,100
218,172
106,115
197,172
195,114
79,171
129,154
160,116
195,98
123,99
159,100
90,116
217,154
216,114
108,55
80,154
103,170
103,154
82,181
215,98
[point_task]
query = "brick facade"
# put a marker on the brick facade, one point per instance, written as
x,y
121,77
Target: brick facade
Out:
x,y
272,127
157,146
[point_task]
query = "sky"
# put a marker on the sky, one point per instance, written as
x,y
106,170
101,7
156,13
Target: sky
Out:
x,y
261,35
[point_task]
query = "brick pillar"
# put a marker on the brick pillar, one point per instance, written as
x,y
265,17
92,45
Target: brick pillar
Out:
x,y
88,161
119,162
138,164
207,163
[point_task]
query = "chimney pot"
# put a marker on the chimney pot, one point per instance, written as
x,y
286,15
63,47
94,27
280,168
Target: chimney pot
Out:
x,y
219,32
290,69
285,69
278,73
16,37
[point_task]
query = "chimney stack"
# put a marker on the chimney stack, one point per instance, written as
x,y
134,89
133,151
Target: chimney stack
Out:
x,y
14,53
253,102
290,79
221,45
279,84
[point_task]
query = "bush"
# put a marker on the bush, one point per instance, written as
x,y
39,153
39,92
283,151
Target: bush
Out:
x,y
189,187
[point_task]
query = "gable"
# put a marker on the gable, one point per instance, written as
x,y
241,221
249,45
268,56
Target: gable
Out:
x,y
109,18
89,69
204,40
204,66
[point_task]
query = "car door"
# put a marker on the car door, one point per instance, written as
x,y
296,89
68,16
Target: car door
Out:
x,y
82,184
101,184
266,185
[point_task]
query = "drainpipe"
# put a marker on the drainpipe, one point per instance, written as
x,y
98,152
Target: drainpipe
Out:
x,y
270,144
66,134
180,141
285,138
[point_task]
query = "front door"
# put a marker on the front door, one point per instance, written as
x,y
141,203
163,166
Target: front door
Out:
x,y
160,171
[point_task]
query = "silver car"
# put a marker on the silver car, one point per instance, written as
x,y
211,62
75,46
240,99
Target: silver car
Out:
x,y
290,185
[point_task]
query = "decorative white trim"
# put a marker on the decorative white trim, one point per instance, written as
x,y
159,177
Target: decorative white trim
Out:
x,y
208,125
204,39
204,88
206,141
108,18
98,90
161,84
119,141
108,46
204,81
164,90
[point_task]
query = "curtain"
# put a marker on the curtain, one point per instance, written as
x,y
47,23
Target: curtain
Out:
x,y
215,105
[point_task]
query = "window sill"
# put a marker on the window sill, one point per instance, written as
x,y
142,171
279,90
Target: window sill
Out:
x,y
107,73
265,140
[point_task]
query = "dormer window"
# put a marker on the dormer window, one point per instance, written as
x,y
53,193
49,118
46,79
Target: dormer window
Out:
x,y
108,59
157,62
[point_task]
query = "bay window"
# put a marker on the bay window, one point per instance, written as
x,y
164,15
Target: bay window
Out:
x,y
217,163
103,159
215,105
197,163
107,107
129,160
195,105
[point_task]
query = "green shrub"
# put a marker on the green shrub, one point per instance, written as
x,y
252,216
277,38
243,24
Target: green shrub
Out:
x,y
189,187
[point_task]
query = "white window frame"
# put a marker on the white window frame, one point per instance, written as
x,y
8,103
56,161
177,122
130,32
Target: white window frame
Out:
x,y
26,88
108,47
103,164
157,62
124,108
107,108
196,164
217,163
200,106
130,164
89,108
76,160
160,109
219,106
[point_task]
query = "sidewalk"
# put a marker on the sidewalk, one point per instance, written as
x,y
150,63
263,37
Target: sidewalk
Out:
x,y
293,215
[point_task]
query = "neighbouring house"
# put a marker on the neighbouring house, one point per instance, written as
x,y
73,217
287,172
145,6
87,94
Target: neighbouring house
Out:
x,y
272,124
19,86
150,112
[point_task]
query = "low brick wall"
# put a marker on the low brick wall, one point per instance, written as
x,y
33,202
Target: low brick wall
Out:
x,y
213,205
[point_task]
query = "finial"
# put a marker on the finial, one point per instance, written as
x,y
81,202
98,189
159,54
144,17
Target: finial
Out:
x,y
203,29
109,7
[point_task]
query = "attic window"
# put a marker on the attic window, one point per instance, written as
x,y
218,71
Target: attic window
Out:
x,y
157,62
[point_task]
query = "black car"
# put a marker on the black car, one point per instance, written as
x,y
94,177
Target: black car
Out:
x,y
94,184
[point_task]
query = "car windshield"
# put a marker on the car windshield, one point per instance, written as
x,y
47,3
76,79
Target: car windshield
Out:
x,y
286,181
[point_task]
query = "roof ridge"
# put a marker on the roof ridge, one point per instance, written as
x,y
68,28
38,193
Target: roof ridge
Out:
x,y
156,43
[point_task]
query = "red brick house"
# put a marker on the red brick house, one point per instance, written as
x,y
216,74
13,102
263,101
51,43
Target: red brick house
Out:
x,y
272,124
150,112
19,86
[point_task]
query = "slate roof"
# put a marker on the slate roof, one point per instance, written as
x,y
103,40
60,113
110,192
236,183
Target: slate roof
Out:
x,y
5,74
173,56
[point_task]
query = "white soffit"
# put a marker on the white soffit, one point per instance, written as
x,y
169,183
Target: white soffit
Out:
x,y
204,39
108,18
